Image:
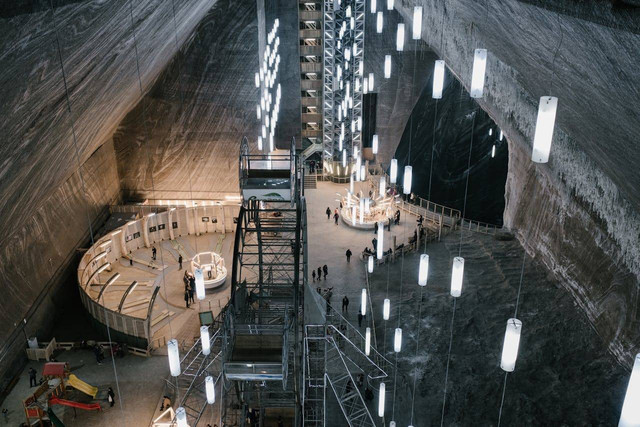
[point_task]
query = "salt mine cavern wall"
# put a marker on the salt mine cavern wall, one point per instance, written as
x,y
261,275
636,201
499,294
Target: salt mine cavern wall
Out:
x,y
182,140
43,204
579,213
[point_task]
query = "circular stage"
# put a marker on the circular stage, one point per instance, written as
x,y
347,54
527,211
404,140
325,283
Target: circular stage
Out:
x,y
213,269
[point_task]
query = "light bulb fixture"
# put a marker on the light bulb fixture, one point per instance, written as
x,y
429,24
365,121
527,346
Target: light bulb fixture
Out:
x,y
406,185
260,143
438,79
493,151
181,417
365,85
390,7
205,340
257,79
344,158
490,131
370,264
387,66
258,112
501,135
379,23
510,345
544,129
397,340
383,186
386,309
210,390
417,22
371,80
367,341
174,357
199,283
630,415
477,76
381,397
363,302
457,274
374,144
373,6
271,146
400,38
393,171
423,272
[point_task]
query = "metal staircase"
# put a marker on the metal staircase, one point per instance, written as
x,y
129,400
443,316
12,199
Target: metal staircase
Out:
x,y
310,181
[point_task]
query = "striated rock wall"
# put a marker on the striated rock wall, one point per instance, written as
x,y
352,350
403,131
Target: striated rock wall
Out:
x,y
578,213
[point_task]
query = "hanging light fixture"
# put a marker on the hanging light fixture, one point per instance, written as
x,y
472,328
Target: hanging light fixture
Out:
x,y
438,79
490,131
374,144
501,135
371,82
271,142
544,129
257,79
367,341
181,417
383,186
417,22
397,340
406,185
260,143
423,272
258,112
363,302
381,397
199,283
373,6
630,415
370,264
353,215
380,243
400,38
387,66
365,85
393,172
379,23
390,7
344,158
456,276
477,76
205,340
493,151
510,345
363,173
348,12
174,357
210,389
386,309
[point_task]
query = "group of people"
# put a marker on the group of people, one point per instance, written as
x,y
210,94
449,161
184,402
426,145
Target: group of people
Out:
x,y
321,270
336,214
189,287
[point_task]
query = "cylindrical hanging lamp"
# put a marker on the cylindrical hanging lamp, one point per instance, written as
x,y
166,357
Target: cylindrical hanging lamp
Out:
x,y
393,171
457,274
423,272
205,340
181,417
381,397
200,293
544,129
363,302
417,22
477,76
511,344
174,357
387,66
379,23
210,389
374,144
438,79
380,244
370,264
367,341
386,309
406,185
371,80
383,186
400,38
397,340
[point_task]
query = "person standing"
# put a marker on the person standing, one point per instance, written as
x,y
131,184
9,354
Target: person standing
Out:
x,y
32,378
313,275
98,353
348,254
359,318
180,262
375,228
191,300
186,297
319,273
111,396
335,217
325,269
345,304
153,253
389,223
374,241
328,212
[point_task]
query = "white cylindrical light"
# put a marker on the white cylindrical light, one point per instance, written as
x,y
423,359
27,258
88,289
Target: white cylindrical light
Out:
x,y
344,158
630,415
351,184
397,340
258,112
205,340
493,151
423,272
363,302
271,142
363,173
365,85
406,185
210,389
257,79
387,66
501,135
260,143
383,186
181,417
393,171
174,357
390,7
199,283
417,22
371,80
490,131
374,144
544,129
386,309
400,38
438,79
380,243
379,23
477,76
510,345
367,341
370,264
457,274
373,6
381,397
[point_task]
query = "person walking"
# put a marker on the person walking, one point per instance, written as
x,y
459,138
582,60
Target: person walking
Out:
x,y
191,292
98,353
153,253
319,273
111,396
313,275
348,254
374,241
359,318
335,217
389,224
186,297
375,228
325,270
328,212
32,378
180,262
345,304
